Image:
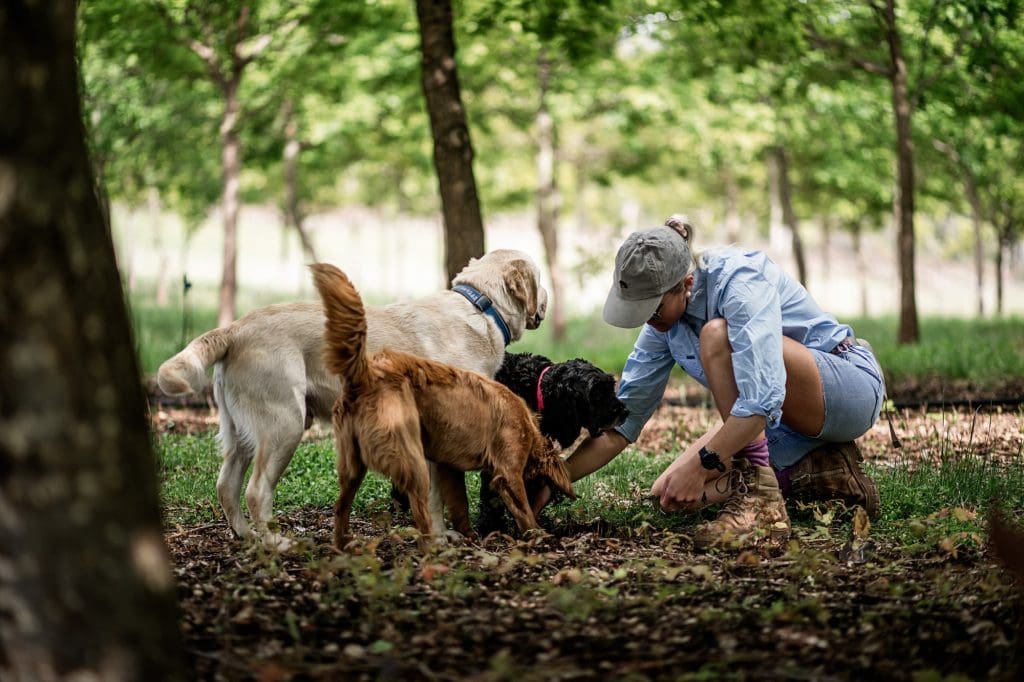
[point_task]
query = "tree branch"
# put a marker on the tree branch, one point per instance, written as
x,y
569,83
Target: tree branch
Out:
x,y
842,49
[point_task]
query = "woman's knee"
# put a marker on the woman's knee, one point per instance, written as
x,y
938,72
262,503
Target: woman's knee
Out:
x,y
714,339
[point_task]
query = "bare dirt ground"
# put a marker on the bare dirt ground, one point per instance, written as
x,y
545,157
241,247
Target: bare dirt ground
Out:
x,y
589,603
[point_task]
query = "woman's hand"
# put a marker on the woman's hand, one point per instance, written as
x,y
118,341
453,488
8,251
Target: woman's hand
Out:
x,y
681,485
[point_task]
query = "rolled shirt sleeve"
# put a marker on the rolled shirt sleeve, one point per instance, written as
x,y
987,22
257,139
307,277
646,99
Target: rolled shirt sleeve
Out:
x,y
752,309
643,381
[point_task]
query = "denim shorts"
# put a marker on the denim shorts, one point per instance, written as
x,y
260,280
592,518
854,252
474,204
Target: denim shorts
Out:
x,y
854,386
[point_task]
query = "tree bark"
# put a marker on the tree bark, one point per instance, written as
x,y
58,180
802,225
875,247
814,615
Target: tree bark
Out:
x,y
163,269
231,163
453,150
788,214
86,591
290,158
1002,244
826,242
548,197
909,331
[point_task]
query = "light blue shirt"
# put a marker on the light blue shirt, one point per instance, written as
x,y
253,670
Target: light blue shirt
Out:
x,y
760,304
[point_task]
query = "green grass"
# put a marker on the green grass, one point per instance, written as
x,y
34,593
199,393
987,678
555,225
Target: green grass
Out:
x,y
924,503
985,351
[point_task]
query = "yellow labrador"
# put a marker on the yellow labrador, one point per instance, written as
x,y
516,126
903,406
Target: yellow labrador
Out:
x,y
270,381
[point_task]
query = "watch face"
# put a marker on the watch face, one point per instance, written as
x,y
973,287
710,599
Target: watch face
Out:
x,y
710,460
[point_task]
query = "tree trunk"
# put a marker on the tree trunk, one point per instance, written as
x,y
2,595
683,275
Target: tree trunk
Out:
x,y
231,163
163,267
1001,245
453,150
909,331
292,210
979,243
87,591
788,214
826,243
776,228
548,198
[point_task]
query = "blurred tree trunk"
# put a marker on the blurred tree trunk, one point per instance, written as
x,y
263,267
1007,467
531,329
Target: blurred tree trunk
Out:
x,y
548,196
909,331
779,161
894,69
1002,245
231,161
453,149
826,243
290,159
163,270
87,591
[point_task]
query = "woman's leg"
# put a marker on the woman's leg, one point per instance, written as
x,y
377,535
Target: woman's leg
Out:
x,y
754,505
803,409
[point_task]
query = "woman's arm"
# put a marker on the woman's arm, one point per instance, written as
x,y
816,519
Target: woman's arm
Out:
x,y
594,453
682,484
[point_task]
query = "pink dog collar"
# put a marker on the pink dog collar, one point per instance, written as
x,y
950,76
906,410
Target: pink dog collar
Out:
x,y
540,394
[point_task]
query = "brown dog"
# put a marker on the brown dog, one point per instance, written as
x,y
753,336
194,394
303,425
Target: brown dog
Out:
x,y
397,411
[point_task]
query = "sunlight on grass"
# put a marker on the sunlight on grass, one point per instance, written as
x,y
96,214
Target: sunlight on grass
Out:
x,y
614,497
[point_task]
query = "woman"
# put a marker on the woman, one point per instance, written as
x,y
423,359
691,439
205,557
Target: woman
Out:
x,y
793,386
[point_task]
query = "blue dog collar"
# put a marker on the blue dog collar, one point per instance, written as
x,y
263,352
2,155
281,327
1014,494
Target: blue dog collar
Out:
x,y
485,306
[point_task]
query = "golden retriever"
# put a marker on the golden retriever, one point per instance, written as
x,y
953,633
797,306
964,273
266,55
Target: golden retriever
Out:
x,y
398,411
270,381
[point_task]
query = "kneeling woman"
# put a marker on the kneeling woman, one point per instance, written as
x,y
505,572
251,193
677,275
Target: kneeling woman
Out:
x,y
793,386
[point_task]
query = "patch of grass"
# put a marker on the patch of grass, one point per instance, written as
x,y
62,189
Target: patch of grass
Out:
x,y
986,351
923,503
188,468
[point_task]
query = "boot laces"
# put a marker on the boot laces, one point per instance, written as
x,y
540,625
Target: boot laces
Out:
x,y
738,484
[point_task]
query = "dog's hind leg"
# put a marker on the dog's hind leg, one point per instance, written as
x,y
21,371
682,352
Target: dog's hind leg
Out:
x,y
513,491
351,472
229,487
452,484
276,436
237,455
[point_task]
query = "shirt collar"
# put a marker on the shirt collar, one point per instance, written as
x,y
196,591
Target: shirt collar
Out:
x,y
697,307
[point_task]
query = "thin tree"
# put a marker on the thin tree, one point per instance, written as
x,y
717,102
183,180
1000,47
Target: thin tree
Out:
x,y
453,149
86,590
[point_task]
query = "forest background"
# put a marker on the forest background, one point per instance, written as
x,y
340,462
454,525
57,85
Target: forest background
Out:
x,y
873,149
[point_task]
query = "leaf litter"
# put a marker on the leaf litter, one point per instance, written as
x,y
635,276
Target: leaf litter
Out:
x,y
600,602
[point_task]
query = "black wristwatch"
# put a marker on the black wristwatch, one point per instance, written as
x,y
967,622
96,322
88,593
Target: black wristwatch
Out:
x,y
709,459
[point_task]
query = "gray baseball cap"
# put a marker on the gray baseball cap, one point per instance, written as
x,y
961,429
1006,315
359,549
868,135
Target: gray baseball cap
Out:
x,y
648,264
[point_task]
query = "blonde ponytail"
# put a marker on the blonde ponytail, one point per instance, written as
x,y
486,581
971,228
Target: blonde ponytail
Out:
x,y
683,226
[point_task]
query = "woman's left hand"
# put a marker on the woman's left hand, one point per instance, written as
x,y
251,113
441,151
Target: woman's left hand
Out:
x,y
681,485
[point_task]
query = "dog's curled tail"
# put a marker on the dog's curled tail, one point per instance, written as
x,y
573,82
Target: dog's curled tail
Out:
x,y
345,330
186,371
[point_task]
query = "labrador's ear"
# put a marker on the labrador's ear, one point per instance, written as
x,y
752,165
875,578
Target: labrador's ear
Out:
x,y
554,470
521,282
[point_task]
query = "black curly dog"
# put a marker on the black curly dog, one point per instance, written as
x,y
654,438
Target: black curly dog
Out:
x,y
575,395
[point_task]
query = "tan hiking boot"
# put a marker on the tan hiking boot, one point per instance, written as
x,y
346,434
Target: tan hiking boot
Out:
x,y
833,472
755,509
